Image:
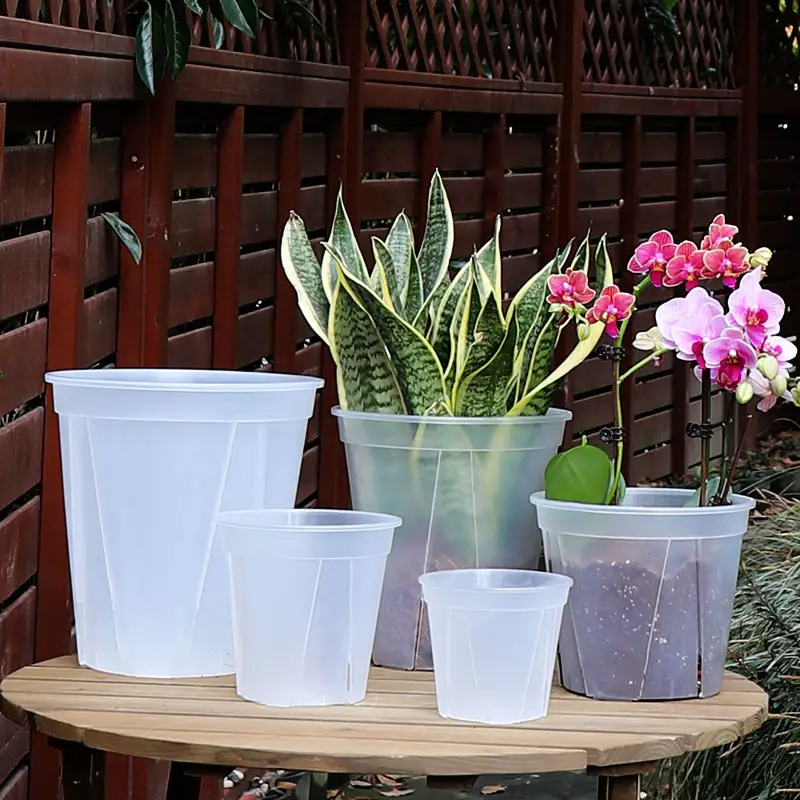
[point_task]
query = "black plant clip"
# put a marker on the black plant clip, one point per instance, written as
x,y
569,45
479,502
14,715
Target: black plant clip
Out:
x,y
608,352
612,435
699,430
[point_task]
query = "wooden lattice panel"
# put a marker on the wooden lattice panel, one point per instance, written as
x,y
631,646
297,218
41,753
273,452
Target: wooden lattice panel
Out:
x,y
622,46
511,39
779,27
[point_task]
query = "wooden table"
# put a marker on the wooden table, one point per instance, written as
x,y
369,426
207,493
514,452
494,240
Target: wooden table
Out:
x,y
396,730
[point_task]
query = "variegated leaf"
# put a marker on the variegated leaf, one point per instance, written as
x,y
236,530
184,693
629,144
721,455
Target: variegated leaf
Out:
x,y
455,326
344,241
303,271
387,276
466,325
584,347
365,376
418,371
440,331
583,255
400,244
489,258
482,393
413,301
541,358
437,243
488,336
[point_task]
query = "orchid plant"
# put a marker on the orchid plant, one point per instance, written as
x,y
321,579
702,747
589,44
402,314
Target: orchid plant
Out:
x,y
738,350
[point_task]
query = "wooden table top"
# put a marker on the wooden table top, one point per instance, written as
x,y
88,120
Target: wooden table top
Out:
x,y
395,730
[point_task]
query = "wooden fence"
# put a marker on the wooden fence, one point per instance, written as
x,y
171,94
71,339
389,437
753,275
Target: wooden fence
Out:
x,y
557,114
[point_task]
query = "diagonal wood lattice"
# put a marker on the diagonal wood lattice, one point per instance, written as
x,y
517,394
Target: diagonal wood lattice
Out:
x,y
779,26
623,44
506,39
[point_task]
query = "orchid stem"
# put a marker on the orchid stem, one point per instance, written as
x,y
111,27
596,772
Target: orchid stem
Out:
x,y
705,444
636,367
737,456
620,444
726,424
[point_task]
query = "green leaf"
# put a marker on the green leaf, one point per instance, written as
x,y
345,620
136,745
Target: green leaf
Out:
x,y
400,244
466,326
126,234
218,30
364,373
542,357
437,243
489,258
712,487
387,276
440,331
483,393
178,39
242,14
150,48
578,475
303,271
194,7
583,255
418,371
342,241
622,488
584,348
414,300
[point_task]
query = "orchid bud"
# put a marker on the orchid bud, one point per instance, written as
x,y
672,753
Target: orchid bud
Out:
x,y
796,395
761,257
778,386
768,366
744,393
583,331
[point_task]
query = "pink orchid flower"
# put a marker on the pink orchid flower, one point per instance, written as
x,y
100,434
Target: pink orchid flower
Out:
x,y
763,389
727,261
729,357
718,231
782,349
569,289
685,266
693,333
611,307
652,256
759,311
669,314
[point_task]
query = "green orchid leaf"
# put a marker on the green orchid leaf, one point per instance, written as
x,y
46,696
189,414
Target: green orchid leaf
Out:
x,y
344,241
584,347
303,271
578,475
712,487
490,258
365,376
418,371
482,393
437,242
387,276
400,244
178,39
125,233
622,488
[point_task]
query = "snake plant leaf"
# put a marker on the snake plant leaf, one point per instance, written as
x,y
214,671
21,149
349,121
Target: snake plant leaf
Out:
x,y
440,331
455,326
387,276
366,379
584,348
437,242
583,255
487,338
489,258
465,329
482,393
414,299
400,244
303,271
418,371
344,241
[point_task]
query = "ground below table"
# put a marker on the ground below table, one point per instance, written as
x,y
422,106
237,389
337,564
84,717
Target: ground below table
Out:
x,y
395,730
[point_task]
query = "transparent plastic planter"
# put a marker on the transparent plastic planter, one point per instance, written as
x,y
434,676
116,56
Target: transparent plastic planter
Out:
x,y
149,457
494,634
306,587
461,486
650,610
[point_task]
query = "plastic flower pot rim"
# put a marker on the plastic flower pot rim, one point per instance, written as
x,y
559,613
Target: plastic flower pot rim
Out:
x,y
183,380
739,504
280,520
553,414
549,580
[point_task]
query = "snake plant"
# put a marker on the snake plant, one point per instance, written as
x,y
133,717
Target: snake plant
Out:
x,y
408,338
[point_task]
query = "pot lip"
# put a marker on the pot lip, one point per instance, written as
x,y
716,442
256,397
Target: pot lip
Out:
x,y
172,380
739,504
278,521
553,415
553,580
